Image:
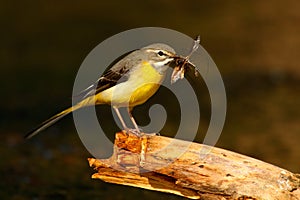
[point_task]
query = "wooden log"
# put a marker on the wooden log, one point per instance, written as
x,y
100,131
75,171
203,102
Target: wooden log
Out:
x,y
193,170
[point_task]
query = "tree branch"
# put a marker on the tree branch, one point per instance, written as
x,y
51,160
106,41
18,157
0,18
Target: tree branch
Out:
x,y
193,170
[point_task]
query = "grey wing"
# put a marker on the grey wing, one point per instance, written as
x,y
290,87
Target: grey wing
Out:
x,y
117,73
108,80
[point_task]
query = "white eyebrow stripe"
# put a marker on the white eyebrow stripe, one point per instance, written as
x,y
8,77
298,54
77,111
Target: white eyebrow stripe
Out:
x,y
158,50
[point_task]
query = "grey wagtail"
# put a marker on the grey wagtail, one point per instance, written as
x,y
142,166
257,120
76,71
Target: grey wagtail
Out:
x,y
129,82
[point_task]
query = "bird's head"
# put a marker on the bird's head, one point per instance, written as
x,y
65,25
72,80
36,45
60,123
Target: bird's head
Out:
x,y
159,55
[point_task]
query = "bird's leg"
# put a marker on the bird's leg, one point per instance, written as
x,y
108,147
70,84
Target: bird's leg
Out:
x,y
120,118
142,136
137,130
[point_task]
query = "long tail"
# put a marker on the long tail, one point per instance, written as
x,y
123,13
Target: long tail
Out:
x,y
57,117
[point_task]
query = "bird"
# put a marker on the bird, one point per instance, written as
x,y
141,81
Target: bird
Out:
x,y
131,81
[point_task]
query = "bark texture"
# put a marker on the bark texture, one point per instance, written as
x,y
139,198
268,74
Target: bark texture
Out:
x,y
193,170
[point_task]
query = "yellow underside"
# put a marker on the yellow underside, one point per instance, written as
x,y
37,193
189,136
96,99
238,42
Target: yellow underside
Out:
x,y
143,82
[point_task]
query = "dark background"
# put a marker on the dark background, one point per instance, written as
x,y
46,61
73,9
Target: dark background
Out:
x,y
255,44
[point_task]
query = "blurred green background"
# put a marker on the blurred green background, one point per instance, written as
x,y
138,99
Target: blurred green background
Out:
x,y
255,44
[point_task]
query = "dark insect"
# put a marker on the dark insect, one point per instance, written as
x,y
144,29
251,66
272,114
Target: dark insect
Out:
x,y
182,64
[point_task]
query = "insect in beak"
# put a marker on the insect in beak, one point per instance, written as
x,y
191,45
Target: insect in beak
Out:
x,y
183,63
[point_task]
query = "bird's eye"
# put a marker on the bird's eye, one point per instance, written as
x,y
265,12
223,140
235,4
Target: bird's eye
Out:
x,y
160,53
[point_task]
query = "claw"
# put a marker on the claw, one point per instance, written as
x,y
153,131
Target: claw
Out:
x,y
137,132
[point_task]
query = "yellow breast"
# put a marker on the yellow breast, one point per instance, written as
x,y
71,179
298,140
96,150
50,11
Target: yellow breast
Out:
x,y
143,82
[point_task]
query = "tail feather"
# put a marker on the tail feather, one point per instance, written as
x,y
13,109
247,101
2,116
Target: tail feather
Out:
x,y
86,102
48,122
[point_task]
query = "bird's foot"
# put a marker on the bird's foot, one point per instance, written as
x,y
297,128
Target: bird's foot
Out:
x,y
152,134
137,132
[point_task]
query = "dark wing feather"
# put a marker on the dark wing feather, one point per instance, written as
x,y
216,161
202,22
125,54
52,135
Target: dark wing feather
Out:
x,y
117,73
